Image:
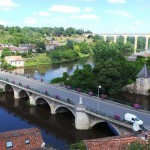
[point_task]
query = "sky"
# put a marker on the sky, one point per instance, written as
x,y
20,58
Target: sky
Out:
x,y
98,16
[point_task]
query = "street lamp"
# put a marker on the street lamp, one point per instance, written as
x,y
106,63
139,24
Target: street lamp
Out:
x,y
98,90
98,97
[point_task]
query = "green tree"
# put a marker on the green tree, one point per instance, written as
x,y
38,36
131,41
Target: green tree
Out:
x,y
84,47
6,52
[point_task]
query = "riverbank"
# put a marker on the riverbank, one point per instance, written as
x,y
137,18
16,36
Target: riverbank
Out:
x,y
81,56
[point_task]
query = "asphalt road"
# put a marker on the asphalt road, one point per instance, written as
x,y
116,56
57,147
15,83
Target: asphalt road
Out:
x,y
91,102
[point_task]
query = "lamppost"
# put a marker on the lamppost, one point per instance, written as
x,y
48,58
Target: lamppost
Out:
x,y
98,97
98,90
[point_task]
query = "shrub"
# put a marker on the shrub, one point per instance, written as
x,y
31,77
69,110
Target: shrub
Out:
x,y
28,87
57,97
46,93
90,93
13,82
117,117
136,106
78,89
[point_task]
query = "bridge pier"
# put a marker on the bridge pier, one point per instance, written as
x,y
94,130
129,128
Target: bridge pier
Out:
x,y
135,43
146,44
16,102
32,100
53,108
16,93
81,117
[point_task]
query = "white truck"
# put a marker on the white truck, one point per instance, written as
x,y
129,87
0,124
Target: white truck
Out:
x,y
132,118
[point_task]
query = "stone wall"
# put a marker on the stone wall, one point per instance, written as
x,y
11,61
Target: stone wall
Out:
x,y
141,86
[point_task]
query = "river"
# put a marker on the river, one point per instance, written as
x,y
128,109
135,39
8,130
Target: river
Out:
x,y
57,130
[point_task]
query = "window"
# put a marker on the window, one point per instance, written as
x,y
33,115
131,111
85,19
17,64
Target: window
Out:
x,y
27,141
137,119
9,144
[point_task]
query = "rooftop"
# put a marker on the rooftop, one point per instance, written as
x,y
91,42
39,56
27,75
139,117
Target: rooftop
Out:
x,y
21,139
113,143
144,73
14,58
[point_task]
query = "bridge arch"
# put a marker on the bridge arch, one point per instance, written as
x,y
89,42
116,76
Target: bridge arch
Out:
x,y
112,126
40,100
65,108
8,88
22,93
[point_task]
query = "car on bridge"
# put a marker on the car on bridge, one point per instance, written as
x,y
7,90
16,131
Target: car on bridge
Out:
x,y
132,118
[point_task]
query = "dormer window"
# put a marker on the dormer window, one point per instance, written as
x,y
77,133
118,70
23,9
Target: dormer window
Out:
x,y
27,141
9,144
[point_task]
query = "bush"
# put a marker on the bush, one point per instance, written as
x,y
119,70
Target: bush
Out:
x,y
78,146
90,93
117,117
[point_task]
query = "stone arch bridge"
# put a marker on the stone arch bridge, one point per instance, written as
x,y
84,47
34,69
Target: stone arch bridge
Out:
x,y
85,118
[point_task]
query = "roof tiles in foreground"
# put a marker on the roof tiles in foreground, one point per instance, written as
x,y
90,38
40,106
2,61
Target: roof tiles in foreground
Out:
x,y
113,143
21,139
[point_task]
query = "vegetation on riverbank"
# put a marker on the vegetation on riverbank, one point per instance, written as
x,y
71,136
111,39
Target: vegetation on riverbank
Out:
x,y
40,59
34,35
112,71
78,146
138,146
1,90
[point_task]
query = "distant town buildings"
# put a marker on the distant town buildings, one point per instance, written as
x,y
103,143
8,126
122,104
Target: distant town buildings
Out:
x,y
24,139
22,47
16,61
51,45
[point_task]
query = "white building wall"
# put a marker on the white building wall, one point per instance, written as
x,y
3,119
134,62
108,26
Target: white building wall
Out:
x,y
17,63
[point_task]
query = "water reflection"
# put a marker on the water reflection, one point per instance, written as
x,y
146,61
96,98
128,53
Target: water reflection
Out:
x,y
50,72
133,98
57,130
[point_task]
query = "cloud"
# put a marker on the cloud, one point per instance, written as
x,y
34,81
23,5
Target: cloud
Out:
x,y
122,13
31,21
65,9
138,22
116,1
42,13
88,0
84,16
7,5
87,9
5,8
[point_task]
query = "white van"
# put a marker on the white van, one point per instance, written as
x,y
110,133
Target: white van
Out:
x,y
132,118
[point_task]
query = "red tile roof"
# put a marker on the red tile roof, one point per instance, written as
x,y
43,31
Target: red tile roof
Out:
x,y
14,58
113,143
18,138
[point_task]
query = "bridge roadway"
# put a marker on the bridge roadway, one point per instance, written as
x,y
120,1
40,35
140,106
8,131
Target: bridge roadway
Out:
x,y
107,107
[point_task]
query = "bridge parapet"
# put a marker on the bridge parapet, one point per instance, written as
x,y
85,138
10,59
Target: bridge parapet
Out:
x,y
108,118
82,113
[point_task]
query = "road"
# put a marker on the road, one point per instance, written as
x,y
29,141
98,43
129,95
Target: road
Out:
x,y
89,101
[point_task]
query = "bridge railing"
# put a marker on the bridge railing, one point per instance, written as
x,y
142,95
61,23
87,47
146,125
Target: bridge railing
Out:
x,y
112,117
128,104
38,91
108,98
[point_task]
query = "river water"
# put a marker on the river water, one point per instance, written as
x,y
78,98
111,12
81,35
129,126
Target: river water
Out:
x,y
57,130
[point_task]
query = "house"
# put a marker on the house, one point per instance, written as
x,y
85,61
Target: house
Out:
x,y
22,139
16,61
26,47
116,143
50,46
142,84
6,45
